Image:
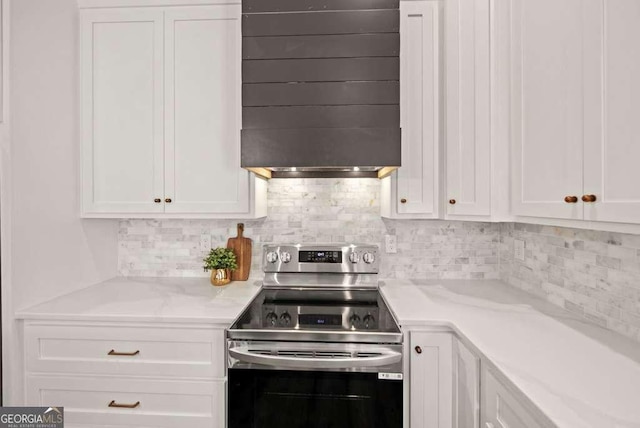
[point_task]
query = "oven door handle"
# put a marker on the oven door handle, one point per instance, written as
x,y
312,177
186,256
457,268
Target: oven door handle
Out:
x,y
245,355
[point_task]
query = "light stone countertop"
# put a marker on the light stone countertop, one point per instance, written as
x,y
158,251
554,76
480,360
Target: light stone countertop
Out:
x,y
184,300
577,373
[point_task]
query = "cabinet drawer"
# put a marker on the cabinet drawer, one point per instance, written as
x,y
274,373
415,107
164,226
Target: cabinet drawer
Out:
x,y
138,351
162,403
502,408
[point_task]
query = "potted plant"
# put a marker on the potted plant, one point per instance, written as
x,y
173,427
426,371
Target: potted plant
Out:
x,y
220,261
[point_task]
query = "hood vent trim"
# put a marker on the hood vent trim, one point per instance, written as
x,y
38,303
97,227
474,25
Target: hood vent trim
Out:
x,y
320,87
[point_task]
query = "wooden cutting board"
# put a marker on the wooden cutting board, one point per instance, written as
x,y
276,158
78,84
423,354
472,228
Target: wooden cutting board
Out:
x,y
241,246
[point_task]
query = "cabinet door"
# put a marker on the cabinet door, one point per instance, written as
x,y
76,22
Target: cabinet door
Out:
x,y
203,111
612,145
501,408
417,179
430,380
466,385
121,105
468,85
547,106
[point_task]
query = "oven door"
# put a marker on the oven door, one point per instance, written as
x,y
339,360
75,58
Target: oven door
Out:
x,y
314,385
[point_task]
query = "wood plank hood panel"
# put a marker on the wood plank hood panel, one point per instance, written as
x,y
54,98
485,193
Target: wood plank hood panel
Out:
x,y
320,86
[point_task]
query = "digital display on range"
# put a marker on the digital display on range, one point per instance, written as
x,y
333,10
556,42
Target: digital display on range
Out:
x,y
311,319
320,256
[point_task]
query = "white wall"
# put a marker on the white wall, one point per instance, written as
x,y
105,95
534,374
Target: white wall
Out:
x,y
52,250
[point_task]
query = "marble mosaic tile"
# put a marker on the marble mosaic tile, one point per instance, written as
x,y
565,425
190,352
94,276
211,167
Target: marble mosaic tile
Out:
x,y
592,273
318,210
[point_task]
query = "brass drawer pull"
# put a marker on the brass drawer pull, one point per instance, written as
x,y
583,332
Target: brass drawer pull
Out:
x,y
124,406
418,350
157,200
589,198
452,201
168,200
403,201
571,199
123,354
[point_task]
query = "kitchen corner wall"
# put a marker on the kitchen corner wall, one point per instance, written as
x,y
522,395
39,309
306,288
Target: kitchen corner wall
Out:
x,y
317,210
591,273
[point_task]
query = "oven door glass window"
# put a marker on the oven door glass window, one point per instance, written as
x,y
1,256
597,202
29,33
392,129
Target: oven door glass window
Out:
x,y
301,399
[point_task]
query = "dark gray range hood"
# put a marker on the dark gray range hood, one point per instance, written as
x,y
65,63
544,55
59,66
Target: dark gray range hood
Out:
x,y
320,87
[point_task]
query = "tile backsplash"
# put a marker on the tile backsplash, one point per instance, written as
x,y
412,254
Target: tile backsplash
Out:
x,y
594,274
317,210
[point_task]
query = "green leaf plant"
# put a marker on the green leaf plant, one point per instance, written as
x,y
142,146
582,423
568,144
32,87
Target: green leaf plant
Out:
x,y
220,258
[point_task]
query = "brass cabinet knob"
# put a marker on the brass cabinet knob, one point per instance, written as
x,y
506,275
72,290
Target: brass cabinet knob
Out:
x,y
589,198
418,349
571,199
403,201
157,200
452,201
168,200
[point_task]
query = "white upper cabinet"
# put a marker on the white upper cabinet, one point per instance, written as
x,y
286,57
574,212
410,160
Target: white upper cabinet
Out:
x,y
612,104
202,111
468,108
161,114
122,66
547,106
412,191
575,109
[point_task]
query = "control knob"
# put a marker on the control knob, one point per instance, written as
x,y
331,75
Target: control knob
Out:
x,y
369,321
272,257
285,319
285,257
369,258
354,320
272,318
354,257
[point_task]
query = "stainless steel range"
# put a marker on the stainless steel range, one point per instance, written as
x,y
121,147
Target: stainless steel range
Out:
x,y
318,343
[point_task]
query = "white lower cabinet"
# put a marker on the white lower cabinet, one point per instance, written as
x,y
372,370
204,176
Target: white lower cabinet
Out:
x,y
451,387
96,401
431,381
122,350
444,382
116,374
501,408
466,387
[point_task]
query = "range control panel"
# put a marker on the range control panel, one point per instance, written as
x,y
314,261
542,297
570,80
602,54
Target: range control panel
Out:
x,y
320,256
330,258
